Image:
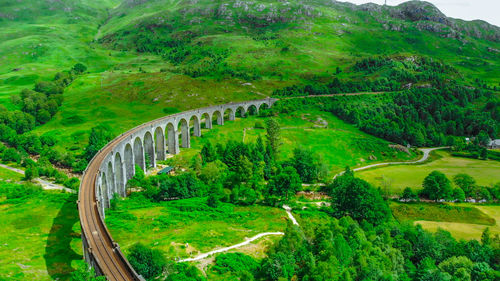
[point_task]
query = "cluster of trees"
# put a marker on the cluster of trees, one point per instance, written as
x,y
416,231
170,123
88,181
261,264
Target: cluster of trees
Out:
x,y
476,149
422,116
395,75
438,187
33,169
237,172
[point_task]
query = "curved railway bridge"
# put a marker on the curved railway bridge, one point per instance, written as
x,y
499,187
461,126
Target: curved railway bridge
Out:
x,y
111,168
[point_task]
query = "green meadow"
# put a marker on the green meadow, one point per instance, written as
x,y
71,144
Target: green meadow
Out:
x,y
463,220
398,177
8,175
40,237
188,227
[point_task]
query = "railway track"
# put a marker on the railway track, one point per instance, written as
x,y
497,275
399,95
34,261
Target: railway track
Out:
x,y
103,252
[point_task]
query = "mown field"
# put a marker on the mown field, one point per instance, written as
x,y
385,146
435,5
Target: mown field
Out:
x,y
335,142
40,237
188,227
397,178
463,221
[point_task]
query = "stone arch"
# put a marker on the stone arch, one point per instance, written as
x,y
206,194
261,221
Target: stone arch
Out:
x,y
104,190
173,142
185,133
159,144
240,112
263,106
208,120
149,150
229,112
111,180
128,154
252,109
219,117
196,125
139,153
119,176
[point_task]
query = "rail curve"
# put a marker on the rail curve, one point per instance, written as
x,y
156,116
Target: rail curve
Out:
x,y
111,168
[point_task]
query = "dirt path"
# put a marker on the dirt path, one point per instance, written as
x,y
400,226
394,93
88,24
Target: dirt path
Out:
x,y
46,185
248,241
426,152
289,213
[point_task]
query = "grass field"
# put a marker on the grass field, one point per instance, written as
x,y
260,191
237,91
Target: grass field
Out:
x,y
463,221
338,144
8,175
187,227
485,172
40,237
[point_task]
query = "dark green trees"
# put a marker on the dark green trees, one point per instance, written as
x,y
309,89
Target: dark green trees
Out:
x,y
146,261
356,198
99,137
437,186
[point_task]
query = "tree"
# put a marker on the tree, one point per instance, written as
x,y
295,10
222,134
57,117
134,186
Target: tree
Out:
x,y
208,153
459,194
465,182
30,173
408,195
146,261
11,155
436,186
356,198
84,273
306,165
286,183
79,68
99,137
483,138
458,267
273,135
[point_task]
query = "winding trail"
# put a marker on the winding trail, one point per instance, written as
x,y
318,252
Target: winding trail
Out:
x,y
289,213
46,185
246,242
426,152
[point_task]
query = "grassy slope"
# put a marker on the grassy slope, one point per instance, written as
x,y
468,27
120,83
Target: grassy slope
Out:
x,y
40,239
6,174
402,176
338,145
470,230
170,225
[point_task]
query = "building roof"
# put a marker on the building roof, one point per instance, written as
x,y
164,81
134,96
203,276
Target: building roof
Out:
x,y
495,142
166,170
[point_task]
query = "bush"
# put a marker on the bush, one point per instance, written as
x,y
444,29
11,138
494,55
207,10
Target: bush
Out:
x,y
146,261
11,155
235,262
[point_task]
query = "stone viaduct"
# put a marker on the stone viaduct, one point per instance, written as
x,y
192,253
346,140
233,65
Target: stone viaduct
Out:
x,y
114,165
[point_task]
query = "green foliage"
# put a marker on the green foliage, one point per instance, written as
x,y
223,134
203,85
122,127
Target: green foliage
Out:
x,y
79,68
11,155
356,198
273,135
85,273
148,262
465,182
306,164
185,272
99,137
437,186
409,195
285,184
235,262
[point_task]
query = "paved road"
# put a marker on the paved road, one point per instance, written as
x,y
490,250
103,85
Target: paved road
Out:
x,y
248,241
45,184
426,152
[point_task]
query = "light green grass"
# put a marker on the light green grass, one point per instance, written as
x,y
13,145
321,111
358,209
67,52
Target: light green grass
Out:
x,y
485,172
6,174
463,220
337,145
440,213
187,227
40,237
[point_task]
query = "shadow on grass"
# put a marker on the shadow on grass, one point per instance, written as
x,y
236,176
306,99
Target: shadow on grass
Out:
x,y
58,251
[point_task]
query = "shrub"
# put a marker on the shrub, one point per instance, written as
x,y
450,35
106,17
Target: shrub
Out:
x,y
11,155
146,261
235,262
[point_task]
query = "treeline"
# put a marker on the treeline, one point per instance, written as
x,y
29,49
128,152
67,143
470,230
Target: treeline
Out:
x,y
395,75
420,117
237,172
437,187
